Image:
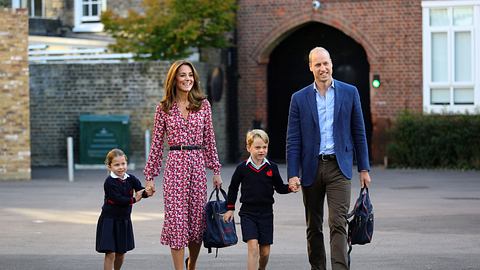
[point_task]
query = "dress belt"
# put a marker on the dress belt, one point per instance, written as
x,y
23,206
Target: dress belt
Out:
x,y
186,147
324,157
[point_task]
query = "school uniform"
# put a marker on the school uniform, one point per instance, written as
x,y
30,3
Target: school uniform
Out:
x,y
257,185
114,227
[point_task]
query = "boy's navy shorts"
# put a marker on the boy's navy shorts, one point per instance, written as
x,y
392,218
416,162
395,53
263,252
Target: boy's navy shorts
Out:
x,y
257,225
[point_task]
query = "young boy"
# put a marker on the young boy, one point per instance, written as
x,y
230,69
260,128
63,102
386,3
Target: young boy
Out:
x,y
258,177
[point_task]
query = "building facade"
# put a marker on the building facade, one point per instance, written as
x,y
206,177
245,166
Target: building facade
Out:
x,y
425,54
63,90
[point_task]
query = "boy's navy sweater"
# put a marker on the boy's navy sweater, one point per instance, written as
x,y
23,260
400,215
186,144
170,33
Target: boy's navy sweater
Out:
x,y
119,196
257,186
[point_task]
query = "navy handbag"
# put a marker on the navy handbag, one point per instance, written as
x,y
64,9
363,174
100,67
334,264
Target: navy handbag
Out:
x,y
218,233
360,227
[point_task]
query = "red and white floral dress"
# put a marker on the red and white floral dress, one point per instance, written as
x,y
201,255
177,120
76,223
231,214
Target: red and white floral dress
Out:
x,y
184,180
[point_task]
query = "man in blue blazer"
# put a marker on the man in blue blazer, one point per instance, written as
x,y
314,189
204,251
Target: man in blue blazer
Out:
x,y
325,130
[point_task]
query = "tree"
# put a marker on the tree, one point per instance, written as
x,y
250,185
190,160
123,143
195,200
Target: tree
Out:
x,y
5,3
168,29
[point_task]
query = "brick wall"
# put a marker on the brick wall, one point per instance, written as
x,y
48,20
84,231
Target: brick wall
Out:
x,y
14,103
390,31
61,92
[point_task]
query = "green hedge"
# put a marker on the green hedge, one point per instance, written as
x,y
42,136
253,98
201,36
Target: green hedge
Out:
x,y
435,141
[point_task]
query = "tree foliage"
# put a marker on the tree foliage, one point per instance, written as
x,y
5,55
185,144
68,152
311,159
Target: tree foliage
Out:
x,y
168,29
5,3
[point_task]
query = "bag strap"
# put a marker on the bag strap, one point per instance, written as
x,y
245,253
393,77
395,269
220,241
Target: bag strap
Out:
x,y
363,191
216,191
210,251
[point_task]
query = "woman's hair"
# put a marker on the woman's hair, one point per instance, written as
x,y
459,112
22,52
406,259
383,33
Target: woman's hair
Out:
x,y
113,154
252,134
195,96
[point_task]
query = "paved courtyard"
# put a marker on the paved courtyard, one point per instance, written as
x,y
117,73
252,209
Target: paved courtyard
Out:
x,y
424,219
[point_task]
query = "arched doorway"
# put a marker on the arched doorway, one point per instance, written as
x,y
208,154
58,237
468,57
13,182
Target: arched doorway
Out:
x,y
288,72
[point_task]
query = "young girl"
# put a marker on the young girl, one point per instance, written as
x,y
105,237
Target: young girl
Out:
x,y
114,228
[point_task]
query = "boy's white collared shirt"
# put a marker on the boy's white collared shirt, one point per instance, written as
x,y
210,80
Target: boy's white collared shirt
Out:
x,y
125,176
249,160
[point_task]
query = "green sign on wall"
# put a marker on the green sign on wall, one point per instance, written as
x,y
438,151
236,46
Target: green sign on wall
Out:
x,y
99,134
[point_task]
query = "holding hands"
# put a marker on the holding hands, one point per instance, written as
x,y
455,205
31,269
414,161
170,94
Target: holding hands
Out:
x,y
150,188
139,195
294,184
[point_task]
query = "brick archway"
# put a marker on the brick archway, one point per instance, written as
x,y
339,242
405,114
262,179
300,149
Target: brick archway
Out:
x,y
260,57
262,51
287,72
388,32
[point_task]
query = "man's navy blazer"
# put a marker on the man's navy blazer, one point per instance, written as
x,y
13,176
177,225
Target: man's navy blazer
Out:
x,y
303,133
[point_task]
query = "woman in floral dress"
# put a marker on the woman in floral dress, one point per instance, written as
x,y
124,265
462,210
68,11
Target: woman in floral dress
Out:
x,y
184,119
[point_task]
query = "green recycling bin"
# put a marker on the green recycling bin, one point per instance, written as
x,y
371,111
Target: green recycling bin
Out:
x,y
99,134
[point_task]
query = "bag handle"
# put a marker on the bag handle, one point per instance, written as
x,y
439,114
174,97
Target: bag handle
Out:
x,y
216,191
365,194
363,191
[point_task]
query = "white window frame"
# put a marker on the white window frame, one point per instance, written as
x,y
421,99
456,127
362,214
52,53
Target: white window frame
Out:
x,y
16,4
87,23
427,70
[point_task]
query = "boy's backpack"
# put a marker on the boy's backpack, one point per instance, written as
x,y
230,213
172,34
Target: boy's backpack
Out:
x,y
360,227
218,234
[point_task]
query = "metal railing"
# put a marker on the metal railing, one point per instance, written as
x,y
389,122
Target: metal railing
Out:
x,y
41,54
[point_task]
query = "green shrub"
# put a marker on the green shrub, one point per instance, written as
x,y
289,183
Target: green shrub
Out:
x,y
435,141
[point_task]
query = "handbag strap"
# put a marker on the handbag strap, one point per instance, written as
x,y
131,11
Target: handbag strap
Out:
x,y
216,191
363,191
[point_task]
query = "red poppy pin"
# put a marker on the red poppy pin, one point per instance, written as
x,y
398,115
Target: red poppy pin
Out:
x,y
269,173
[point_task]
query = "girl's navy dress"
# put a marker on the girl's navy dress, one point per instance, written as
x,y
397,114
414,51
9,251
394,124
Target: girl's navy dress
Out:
x,y
114,227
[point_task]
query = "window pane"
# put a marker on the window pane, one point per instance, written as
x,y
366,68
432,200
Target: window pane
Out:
x,y
463,96
440,96
29,7
439,17
85,10
38,8
463,57
95,10
462,16
439,57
